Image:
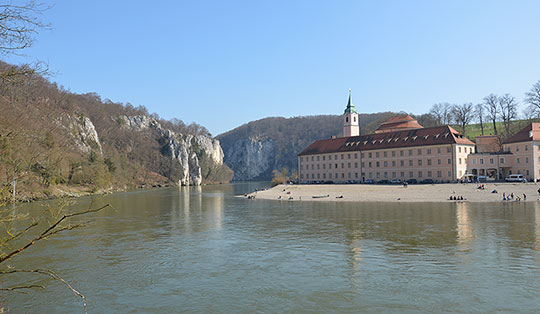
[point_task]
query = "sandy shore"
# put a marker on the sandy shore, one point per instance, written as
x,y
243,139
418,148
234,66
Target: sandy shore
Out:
x,y
398,193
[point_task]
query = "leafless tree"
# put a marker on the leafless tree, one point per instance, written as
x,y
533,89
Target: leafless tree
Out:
x,y
442,113
508,109
491,102
479,111
532,98
463,114
19,25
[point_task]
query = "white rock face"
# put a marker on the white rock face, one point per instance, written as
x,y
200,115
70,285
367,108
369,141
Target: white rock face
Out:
x,y
183,149
251,158
84,133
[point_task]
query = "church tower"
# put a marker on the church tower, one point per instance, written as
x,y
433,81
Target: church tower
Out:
x,y
350,119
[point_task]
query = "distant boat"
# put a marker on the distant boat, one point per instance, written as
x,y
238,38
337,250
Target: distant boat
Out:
x,y
320,196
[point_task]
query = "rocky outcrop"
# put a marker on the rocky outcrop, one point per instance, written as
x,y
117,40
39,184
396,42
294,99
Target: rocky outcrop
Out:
x,y
185,151
251,158
83,131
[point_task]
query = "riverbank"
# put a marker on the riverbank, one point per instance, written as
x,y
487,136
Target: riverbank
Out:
x,y
398,193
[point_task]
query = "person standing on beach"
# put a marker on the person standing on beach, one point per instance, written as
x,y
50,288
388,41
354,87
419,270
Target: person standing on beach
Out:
x,y
524,197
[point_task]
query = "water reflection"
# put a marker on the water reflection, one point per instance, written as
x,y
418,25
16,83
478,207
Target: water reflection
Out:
x,y
465,230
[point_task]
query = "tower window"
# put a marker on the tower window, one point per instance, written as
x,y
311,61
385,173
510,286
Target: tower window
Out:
x,y
346,119
354,119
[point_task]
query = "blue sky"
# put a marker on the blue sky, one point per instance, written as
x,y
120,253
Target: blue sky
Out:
x,y
225,63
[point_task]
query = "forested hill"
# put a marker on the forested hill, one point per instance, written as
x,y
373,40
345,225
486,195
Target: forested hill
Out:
x,y
255,149
55,142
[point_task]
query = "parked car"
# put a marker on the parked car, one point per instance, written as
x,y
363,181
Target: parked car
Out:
x,y
412,181
515,178
427,181
396,181
368,181
383,182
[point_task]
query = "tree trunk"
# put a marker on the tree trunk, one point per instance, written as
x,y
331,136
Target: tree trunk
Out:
x,y
481,125
495,127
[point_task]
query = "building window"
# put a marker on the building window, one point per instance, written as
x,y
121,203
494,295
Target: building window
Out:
x,y
355,155
502,160
419,174
393,153
438,161
527,171
491,160
448,149
301,176
349,175
329,166
376,154
474,161
384,154
386,174
526,159
459,149
378,175
343,175
348,156
301,167
419,151
369,164
429,174
324,175
439,173
438,150
393,174
517,148
336,166
459,161
386,163
342,165
313,176
356,165
411,174
370,175
312,158
318,158
369,155
348,165
410,152
402,163
481,161
362,155
401,152
356,175
312,166
377,164
318,175
342,156
410,163
336,176
402,174
449,174
429,162
518,160
323,158
324,166
318,166
362,164
428,151
449,161
393,163
419,162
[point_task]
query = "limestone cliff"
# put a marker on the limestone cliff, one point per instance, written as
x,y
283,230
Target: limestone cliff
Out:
x,y
83,132
253,158
186,152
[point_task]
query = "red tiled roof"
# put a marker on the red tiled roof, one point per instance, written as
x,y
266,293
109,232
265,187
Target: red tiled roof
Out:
x,y
408,138
530,133
399,122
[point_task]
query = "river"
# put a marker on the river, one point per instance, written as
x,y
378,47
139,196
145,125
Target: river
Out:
x,y
202,250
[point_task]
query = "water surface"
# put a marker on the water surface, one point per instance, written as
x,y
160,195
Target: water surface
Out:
x,y
201,250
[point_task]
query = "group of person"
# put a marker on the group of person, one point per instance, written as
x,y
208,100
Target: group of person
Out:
x,y
518,198
456,198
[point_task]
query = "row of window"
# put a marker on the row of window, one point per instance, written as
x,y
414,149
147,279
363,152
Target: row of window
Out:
x,y
378,164
526,147
393,153
376,175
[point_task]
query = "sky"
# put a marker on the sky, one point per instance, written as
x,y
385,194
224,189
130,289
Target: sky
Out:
x,y
224,63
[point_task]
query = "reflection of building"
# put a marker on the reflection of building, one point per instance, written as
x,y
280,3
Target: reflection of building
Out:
x,y
519,154
399,149
464,225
